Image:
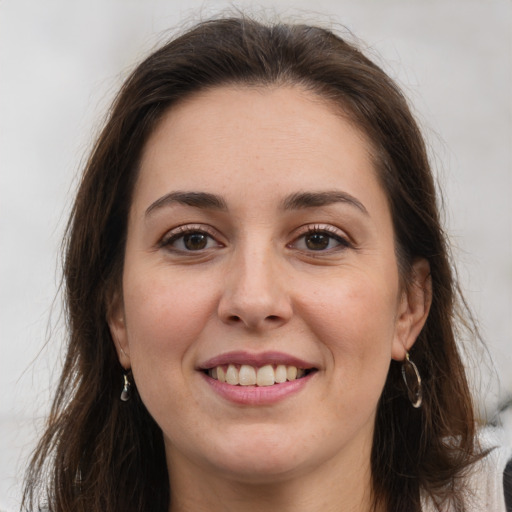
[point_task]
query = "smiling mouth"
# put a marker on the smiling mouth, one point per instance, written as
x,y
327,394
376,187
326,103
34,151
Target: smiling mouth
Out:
x,y
247,375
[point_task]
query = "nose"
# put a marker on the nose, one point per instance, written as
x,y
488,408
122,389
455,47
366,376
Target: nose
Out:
x,y
255,294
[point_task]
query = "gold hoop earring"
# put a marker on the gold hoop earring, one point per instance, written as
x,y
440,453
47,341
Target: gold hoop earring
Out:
x,y
412,380
126,394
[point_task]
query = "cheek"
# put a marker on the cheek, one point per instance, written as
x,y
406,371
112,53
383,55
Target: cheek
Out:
x,y
164,317
355,318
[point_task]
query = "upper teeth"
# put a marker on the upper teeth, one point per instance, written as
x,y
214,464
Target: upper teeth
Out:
x,y
246,375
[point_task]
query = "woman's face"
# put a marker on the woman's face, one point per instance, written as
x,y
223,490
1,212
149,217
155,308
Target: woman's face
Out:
x,y
260,249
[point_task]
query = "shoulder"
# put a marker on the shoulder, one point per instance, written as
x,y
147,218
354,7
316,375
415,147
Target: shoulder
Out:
x,y
488,483
488,480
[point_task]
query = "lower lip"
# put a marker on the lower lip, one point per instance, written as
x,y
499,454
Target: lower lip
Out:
x,y
256,395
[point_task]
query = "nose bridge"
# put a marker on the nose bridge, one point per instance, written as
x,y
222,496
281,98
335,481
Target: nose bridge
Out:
x,y
254,294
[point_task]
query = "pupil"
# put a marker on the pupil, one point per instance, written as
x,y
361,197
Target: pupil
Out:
x,y
195,241
317,241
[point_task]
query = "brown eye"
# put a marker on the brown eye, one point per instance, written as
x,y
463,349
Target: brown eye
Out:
x,y
190,240
321,239
317,241
195,241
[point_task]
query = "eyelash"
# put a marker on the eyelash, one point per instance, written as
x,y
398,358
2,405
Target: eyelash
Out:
x,y
181,232
331,233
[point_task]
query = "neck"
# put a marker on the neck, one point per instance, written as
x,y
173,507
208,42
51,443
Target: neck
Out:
x,y
333,487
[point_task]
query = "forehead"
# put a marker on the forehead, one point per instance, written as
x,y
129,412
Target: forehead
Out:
x,y
285,137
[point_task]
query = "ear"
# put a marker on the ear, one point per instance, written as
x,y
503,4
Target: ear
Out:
x,y
117,325
413,309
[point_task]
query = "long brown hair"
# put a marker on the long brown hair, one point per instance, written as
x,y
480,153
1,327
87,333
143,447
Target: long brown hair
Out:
x,y
100,454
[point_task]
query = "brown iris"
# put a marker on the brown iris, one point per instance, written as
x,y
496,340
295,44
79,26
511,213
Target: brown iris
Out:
x,y
317,241
195,241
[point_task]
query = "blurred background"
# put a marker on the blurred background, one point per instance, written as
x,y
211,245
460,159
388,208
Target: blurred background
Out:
x,y
61,63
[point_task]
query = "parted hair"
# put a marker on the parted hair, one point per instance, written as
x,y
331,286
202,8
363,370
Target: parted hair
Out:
x,y
100,454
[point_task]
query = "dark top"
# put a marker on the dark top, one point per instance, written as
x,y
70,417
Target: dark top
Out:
x,y
507,486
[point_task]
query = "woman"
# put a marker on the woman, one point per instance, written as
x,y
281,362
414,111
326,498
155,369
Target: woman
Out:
x,y
260,300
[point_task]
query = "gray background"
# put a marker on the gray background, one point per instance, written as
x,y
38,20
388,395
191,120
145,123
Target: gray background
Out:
x,y
60,64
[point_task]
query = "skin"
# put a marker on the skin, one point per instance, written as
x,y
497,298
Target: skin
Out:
x,y
258,286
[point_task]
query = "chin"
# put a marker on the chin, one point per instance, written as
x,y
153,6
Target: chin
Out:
x,y
260,469
265,456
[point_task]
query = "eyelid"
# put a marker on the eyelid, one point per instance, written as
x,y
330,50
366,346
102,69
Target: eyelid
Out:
x,y
324,228
341,236
185,229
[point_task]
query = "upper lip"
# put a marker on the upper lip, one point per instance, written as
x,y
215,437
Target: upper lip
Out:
x,y
255,359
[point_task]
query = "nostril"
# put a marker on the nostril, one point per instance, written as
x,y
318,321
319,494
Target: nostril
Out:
x,y
235,319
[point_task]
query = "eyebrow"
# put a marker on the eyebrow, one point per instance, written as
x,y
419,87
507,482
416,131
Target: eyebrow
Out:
x,y
195,199
303,200
297,201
